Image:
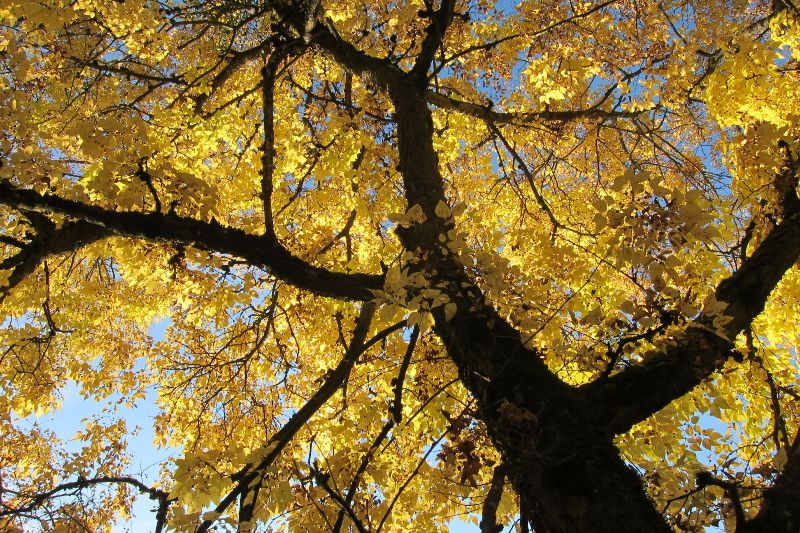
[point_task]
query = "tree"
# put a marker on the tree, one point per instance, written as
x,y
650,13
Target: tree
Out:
x,y
532,263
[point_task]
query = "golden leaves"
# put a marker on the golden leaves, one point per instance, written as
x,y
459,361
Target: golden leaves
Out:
x,y
554,80
750,87
603,249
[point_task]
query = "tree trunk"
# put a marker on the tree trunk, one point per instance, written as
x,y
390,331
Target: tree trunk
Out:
x,y
561,462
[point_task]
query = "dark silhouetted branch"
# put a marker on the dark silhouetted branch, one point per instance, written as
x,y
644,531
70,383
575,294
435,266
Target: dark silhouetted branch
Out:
x,y
272,449
489,516
210,236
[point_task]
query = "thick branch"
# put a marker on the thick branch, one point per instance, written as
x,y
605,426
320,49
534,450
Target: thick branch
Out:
x,y
489,115
643,389
440,20
323,34
48,242
268,150
489,517
256,250
269,74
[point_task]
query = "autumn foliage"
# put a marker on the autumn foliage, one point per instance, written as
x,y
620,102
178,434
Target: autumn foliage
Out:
x,y
532,265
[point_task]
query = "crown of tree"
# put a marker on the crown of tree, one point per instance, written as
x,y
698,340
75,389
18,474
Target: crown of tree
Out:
x,y
531,265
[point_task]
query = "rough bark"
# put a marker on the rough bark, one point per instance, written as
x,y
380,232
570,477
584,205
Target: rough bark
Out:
x,y
561,461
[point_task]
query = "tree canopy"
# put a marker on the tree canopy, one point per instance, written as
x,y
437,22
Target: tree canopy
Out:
x,y
528,264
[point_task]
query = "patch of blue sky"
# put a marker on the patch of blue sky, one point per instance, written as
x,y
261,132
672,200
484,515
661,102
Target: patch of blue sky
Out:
x,y
145,458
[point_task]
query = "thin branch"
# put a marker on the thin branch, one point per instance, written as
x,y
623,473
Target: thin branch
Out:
x,y
306,22
394,419
780,510
276,444
145,177
81,483
405,484
704,479
528,176
397,403
322,481
362,467
343,233
779,435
